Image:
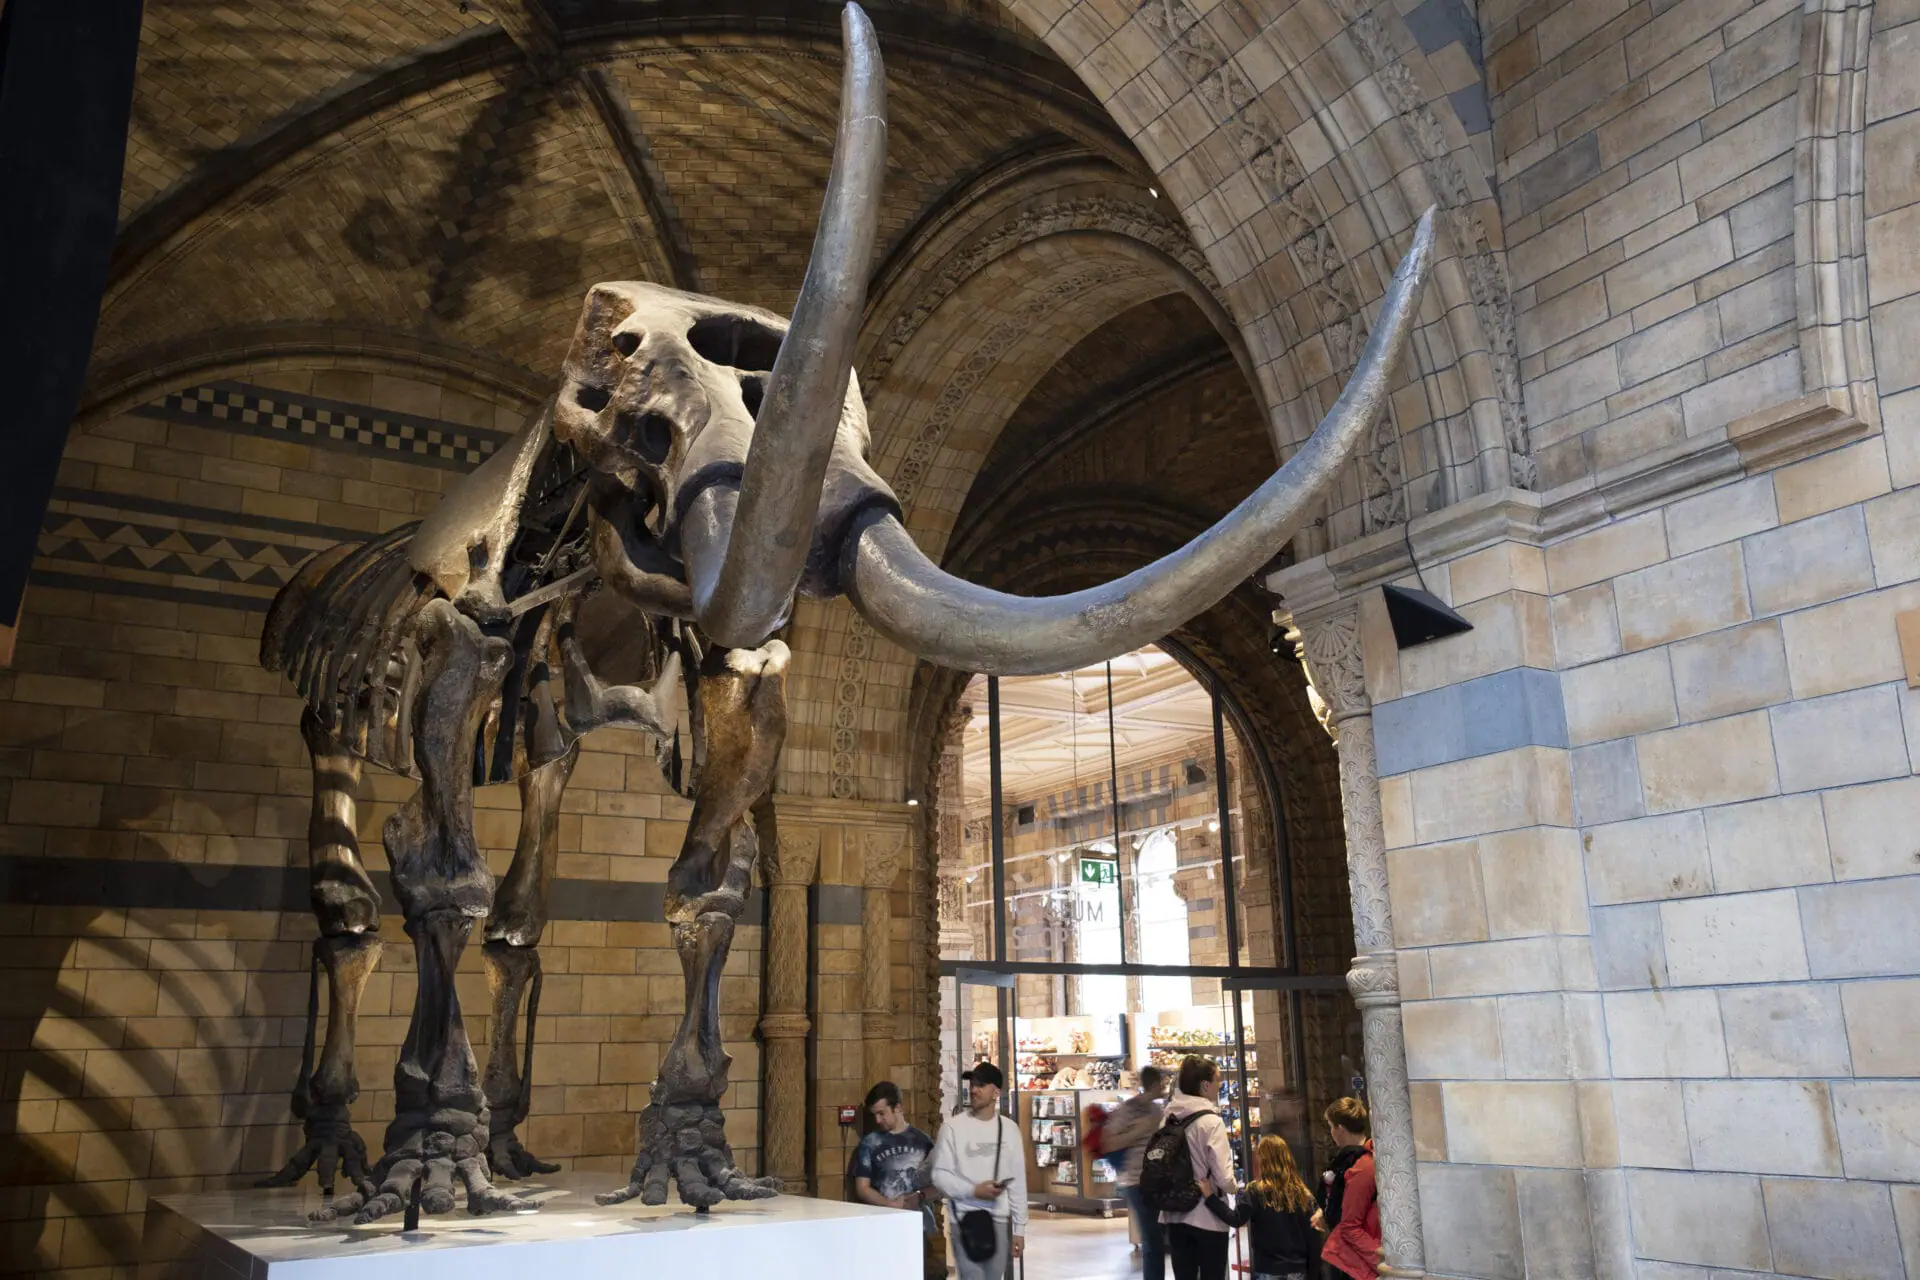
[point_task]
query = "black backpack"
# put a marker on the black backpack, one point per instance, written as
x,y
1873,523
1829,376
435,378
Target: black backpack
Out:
x,y
1166,1168
1333,1200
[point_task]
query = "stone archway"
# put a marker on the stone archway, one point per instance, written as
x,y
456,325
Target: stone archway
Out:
x,y
1071,541
1300,144
940,405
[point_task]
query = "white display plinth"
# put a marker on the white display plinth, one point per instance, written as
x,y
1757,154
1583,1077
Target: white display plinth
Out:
x,y
265,1235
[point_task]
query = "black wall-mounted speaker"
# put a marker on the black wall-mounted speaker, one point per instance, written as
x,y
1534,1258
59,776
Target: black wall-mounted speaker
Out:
x,y
1419,616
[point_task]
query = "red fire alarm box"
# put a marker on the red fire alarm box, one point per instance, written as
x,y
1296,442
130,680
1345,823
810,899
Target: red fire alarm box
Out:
x,y
849,1117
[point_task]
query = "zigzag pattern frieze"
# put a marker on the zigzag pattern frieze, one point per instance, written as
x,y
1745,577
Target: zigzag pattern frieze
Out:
x,y
121,544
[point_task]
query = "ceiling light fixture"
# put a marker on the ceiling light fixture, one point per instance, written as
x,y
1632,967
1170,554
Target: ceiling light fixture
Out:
x,y
1154,192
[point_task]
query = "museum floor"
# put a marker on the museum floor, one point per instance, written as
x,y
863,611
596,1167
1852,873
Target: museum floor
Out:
x,y
1070,1247
1067,1247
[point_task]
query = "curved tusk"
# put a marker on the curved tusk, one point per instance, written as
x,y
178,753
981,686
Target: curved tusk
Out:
x,y
744,564
956,623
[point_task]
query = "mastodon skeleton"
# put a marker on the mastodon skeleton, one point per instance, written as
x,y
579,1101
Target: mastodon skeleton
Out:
x,y
702,464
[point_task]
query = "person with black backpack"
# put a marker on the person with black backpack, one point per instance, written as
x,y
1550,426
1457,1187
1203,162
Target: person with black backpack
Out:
x,y
1186,1160
1349,1210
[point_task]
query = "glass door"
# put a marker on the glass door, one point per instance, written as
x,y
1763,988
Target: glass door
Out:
x,y
983,1029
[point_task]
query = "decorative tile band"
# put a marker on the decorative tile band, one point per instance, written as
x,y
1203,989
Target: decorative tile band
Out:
x,y
328,424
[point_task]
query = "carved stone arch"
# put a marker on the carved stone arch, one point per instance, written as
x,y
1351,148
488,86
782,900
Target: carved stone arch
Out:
x,y
1086,535
1300,142
1030,196
946,396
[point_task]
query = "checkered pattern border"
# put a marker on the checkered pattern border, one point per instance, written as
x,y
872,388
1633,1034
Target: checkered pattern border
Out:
x,y
328,424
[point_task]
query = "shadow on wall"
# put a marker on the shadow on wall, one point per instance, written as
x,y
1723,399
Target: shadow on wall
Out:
x,y
139,1059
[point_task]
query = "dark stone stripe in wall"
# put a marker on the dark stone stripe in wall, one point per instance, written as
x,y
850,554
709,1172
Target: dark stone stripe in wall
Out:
x,y
838,903
213,515
147,590
173,886
1520,707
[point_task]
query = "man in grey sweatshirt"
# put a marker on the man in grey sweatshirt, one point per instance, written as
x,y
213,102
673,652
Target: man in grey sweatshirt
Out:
x,y
980,1162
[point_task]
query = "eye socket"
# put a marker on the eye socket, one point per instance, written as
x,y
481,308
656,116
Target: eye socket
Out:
x,y
592,399
626,344
648,434
735,341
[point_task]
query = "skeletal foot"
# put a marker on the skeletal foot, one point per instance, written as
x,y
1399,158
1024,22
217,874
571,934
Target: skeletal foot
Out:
x,y
448,1145
686,1143
512,1161
331,1147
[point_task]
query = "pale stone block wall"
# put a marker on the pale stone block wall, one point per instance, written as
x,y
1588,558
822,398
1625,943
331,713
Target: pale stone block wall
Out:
x,y
1645,156
1653,882
1650,823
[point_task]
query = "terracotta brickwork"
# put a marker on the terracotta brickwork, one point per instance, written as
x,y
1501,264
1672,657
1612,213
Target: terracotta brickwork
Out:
x,y
155,801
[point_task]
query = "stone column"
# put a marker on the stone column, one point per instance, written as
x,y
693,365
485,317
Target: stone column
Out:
x,y
1329,645
787,871
880,862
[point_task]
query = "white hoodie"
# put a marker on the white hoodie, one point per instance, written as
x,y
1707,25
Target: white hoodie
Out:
x,y
963,1155
1211,1153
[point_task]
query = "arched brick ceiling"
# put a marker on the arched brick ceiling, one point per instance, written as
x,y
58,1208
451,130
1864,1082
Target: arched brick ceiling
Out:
x,y
210,73
404,169
1154,384
476,216
744,138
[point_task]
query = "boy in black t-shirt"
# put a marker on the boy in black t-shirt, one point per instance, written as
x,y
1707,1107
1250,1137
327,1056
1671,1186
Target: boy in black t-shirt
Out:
x,y
890,1165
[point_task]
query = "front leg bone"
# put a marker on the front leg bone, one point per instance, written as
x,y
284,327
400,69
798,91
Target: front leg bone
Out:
x,y
512,959
683,1131
347,909
440,1112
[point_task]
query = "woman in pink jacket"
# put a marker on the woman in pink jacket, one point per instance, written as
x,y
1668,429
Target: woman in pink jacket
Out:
x,y
1197,1239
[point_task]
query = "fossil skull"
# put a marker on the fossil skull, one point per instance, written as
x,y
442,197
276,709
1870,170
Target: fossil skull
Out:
x,y
729,452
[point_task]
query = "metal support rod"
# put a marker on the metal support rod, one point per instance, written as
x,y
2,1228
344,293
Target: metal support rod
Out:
x,y
1113,766
1224,809
1238,979
1223,806
995,798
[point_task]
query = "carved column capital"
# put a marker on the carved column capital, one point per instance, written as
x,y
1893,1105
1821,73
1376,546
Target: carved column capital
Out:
x,y
1374,980
1328,643
880,853
785,1026
795,859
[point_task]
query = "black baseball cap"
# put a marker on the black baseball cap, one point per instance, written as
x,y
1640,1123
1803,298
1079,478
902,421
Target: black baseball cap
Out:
x,y
985,1073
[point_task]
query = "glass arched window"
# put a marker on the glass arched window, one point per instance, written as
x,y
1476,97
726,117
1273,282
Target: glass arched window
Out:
x,y
1163,923
1099,859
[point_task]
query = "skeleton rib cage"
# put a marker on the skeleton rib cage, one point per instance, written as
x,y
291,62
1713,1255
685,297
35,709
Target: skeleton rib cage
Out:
x,y
342,630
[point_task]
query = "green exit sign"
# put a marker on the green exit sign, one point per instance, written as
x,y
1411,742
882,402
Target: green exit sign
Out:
x,y
1099,871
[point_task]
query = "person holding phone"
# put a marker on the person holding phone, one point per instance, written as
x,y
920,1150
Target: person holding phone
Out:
x,y
980,1165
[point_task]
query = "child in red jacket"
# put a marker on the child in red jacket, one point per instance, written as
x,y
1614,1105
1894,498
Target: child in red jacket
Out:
x,y
1350,1210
